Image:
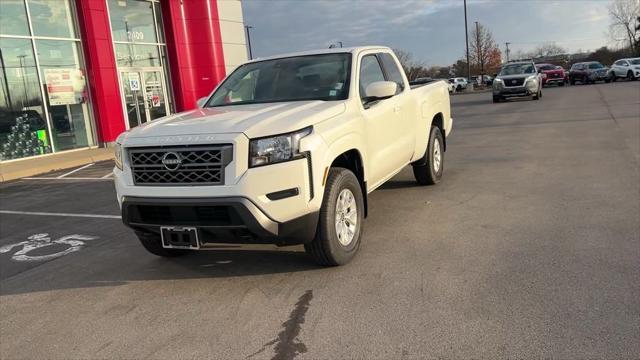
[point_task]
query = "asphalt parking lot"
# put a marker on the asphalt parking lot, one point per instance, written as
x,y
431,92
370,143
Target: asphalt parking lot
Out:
x,y
529,248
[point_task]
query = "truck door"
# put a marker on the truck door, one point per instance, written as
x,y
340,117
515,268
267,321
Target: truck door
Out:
x,y
405,108
383,131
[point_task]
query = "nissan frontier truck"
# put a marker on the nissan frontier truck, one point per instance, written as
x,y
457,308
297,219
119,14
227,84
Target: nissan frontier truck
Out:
x,y
284,151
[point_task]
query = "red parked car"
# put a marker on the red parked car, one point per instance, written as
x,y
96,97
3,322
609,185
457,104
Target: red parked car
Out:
x,y
552,74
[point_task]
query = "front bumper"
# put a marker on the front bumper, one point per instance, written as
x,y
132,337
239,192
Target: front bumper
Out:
x,y
218,220
515,91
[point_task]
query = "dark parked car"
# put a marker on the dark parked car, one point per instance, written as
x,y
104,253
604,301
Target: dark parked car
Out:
x,y
552,74
588,72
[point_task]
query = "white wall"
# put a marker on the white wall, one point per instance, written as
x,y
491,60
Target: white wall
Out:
x,y
234,44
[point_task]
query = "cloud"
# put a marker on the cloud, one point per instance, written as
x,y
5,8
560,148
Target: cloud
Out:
x,y
432,30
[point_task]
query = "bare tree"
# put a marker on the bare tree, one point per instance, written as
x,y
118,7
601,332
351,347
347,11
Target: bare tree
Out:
x,y
624,21
482,48
412,68
549,49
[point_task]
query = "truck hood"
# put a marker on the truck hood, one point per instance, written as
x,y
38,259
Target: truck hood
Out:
x,y
254,120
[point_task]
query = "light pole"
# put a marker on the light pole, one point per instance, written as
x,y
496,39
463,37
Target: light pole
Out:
x,y
6,83
507,51
24,84
466,38
247,29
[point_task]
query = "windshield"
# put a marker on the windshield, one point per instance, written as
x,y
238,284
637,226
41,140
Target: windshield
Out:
x,y
635,62
517,69
595,66
313,77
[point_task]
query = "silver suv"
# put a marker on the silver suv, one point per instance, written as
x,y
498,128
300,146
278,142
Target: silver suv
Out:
x,y
517,79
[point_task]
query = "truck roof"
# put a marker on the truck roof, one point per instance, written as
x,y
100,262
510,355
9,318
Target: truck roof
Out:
x,y
353,50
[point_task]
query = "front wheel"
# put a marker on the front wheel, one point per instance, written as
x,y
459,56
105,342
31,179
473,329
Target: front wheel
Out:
x,y
339,229
630,75
431,172
496,99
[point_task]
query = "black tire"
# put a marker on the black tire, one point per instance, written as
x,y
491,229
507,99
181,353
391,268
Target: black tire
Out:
x,y
613,77
496,99
153,244
561,84
572,81
458,88
607,80
427,174
585,80
630,76
538,95
325,248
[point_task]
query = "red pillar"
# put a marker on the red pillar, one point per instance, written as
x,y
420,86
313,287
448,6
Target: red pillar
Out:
x,y
101,68
194,46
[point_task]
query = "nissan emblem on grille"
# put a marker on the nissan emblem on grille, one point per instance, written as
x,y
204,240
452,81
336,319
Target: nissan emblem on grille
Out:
x,y
180,165
514,81
171,161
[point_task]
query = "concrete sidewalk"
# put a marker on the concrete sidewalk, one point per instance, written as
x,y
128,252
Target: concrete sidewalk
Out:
x,y
16,169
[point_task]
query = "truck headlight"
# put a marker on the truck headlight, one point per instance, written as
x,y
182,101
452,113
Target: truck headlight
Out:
x,y
118,156
498,83
275,149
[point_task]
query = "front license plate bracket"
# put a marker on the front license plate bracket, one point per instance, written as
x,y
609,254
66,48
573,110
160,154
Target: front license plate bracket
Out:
x,y
179,237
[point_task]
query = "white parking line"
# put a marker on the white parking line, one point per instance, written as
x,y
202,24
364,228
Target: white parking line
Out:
x,y
73,171
37,213
107,176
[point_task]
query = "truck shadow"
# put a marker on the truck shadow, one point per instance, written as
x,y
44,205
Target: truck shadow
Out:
x,y
133,264
398,184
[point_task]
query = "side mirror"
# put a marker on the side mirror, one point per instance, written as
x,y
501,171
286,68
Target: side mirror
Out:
x,y
380,90
202,102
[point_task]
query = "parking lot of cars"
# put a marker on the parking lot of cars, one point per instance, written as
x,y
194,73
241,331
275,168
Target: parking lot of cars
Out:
x,y
529,249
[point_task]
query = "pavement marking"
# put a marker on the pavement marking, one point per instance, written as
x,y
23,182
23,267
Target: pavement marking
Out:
x,y
66,178
38,213
74,242
107,176
73,171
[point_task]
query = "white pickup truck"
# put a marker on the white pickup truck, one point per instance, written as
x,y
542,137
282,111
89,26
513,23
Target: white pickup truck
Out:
x,y
283,151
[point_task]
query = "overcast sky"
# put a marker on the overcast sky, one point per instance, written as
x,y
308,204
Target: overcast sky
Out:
x,y
432,30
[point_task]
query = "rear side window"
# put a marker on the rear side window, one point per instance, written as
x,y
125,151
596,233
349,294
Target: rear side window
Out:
x,y
393,72
370,72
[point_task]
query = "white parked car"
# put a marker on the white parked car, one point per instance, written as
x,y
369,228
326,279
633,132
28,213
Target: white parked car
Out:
x,y
283,151
459,83
625,68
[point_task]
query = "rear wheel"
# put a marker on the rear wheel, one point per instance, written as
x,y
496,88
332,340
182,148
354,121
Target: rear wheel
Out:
x,y
431,172
153,244
572,81
339,229
496,99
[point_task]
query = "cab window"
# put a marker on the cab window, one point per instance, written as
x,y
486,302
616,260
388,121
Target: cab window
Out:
x,y
370,72
393,73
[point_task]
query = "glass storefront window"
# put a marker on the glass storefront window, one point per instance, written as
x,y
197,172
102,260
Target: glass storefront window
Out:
x,y
137,55
23,126
132,21
44,102
52,18
13,18
66,92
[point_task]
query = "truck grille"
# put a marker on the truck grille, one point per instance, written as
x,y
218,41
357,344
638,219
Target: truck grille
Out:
x,y
514,82
180,165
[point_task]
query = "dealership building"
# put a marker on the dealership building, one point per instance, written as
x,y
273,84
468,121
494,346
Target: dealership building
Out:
x,y
77,73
